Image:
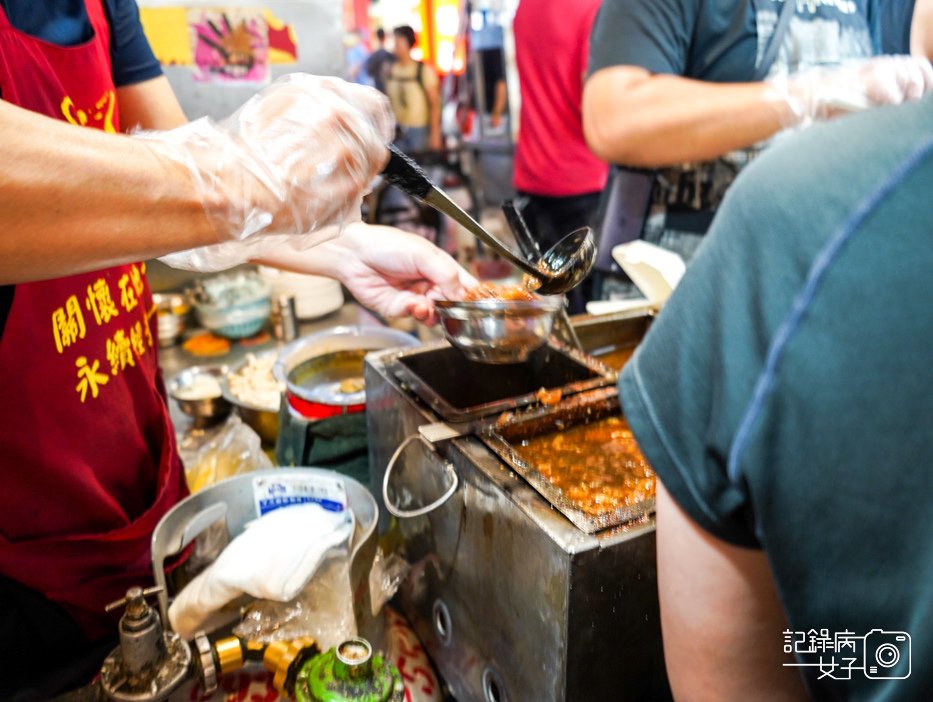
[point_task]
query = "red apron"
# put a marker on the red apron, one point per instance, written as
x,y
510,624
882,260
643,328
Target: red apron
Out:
x,y
87,450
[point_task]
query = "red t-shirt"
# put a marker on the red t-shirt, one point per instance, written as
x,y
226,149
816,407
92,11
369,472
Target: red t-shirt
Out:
x,y
552,40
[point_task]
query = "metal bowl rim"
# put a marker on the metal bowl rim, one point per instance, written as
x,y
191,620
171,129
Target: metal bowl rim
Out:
x,y
233,399
217,370
545,304
297,348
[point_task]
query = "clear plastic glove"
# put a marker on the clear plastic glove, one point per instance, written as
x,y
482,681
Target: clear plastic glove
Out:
x,y
824,93
392,272
295,159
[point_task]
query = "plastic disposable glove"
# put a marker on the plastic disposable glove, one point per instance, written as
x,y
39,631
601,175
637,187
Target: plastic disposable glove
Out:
x,y
389,271
296,158
823,93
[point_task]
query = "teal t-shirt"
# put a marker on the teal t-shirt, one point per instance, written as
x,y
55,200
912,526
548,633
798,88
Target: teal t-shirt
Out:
x,y
723,42
785,393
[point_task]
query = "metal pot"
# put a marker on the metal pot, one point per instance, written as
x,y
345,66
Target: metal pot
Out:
x,y
323,373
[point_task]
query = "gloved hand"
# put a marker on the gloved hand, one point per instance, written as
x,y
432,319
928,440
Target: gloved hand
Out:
x,y
823,93
389,271
294,159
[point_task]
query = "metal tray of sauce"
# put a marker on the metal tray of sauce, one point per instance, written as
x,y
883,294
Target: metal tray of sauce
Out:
x,y
460,390
580,455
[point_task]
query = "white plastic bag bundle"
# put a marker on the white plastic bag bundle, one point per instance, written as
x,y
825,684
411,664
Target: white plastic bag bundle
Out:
x,y
273,559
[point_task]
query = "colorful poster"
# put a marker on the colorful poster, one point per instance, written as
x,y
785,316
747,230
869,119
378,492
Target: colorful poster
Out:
x,y
283,48
166,29
173,42
230,45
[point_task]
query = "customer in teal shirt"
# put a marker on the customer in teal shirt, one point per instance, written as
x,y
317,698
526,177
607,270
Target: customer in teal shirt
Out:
x,y
785,398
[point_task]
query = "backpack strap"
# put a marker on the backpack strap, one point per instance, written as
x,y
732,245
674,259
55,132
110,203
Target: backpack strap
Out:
x,y
777,38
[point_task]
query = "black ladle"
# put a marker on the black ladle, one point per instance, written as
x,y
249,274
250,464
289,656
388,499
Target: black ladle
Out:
x,y
560,269
530,249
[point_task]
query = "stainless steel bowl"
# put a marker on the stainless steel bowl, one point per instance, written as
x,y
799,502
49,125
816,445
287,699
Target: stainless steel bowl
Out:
x,y
206,410
498,331
263,420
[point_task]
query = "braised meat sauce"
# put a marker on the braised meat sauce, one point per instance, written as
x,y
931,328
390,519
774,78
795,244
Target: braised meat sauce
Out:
x,y
597,466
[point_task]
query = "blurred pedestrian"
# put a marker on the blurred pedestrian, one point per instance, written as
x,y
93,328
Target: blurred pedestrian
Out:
x,y
414,90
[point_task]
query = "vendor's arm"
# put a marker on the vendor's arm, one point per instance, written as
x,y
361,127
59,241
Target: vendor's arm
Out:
x,y
73,200
150,104
921,28
294,159
390,271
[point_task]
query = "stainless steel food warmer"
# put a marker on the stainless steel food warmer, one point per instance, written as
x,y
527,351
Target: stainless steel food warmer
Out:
x,y
512,600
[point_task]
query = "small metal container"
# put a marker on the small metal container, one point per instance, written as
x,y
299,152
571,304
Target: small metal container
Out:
x,y
498,331
203,410
284,318
172,315
263,422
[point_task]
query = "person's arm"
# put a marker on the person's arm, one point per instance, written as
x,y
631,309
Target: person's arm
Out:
x,y
150,104
74,200
639,109
921,29
433,90
721,620
636,118
389,271
500,103
392,272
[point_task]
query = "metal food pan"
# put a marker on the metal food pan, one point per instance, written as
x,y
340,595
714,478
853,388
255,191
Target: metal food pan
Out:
x,y
512,429
603,336
461,390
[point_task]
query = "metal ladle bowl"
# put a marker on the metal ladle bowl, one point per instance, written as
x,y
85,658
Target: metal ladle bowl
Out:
x,y
568,262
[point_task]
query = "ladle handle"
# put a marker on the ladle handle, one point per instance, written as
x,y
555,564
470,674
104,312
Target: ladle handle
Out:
x,y
563,328
402,172
408,177
523,236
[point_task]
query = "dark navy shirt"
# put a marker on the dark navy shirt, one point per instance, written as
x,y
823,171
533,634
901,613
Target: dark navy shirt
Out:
x,y
65,22
723,41
896,16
